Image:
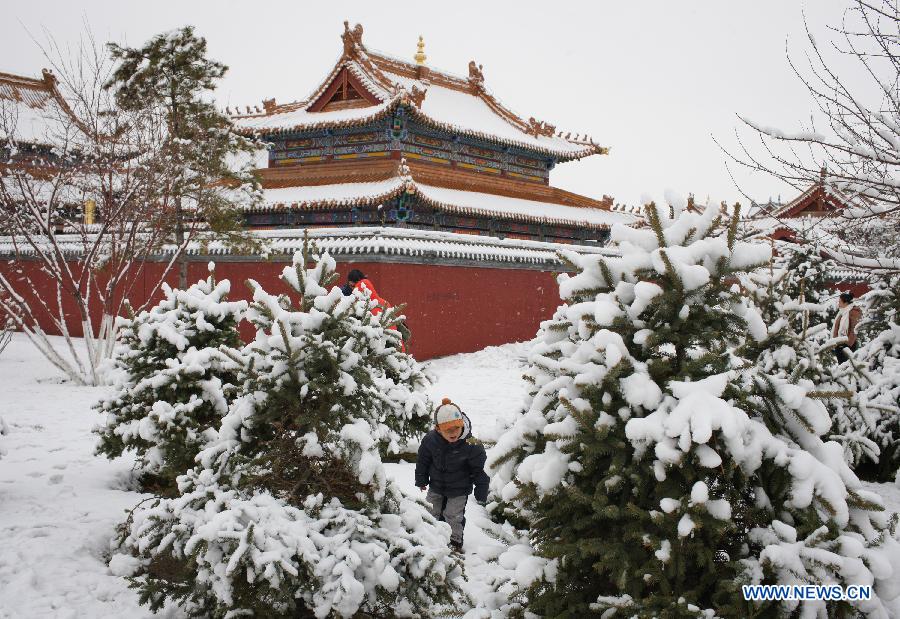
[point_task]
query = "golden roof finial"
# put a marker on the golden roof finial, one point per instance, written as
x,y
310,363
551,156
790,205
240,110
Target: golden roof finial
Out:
x,y
420,56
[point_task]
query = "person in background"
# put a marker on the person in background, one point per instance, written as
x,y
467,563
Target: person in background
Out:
x,y
353,278
356,280
845,325
448,466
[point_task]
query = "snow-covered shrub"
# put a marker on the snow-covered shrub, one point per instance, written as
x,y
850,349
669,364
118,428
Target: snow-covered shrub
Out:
x,y
881,307
660,470
172,383
795,286
873,373
289,511
794,298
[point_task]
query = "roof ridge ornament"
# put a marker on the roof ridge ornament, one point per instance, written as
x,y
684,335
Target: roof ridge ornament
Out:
x,y
476,76
420,56
414,95
49,78
539,127
352,38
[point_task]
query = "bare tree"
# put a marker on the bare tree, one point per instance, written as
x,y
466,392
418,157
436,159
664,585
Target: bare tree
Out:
x,y
5,335
79,215
851,144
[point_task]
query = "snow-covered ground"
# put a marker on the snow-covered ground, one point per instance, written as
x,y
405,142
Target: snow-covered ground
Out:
x,y
60,504
487,385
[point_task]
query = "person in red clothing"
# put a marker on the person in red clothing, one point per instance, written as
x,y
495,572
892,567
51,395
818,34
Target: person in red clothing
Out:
x,y
366,284
356,280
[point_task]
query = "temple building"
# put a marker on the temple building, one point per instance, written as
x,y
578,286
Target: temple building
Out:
x,y
386,142
815,216
421,179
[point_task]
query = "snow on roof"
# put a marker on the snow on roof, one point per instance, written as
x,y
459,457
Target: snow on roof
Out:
x,y
28,107
456,104
517,208
453,200
455,110
378,243
341,194
300,118
427,243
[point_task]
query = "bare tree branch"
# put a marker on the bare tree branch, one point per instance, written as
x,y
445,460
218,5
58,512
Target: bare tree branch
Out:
x,y
851,144
81,208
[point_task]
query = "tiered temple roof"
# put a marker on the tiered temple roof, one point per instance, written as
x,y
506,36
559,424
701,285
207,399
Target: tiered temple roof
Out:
x,y
374,193
365,86
465,155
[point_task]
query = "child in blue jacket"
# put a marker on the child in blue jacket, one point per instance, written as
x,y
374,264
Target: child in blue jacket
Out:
x,y
448,467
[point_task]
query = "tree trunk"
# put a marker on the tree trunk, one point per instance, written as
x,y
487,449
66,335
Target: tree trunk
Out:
x,y
179,242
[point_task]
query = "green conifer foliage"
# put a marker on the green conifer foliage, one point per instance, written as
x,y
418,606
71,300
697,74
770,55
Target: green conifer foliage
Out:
x,y
873,375
290,512
658,469
881,307
172,383
795,297
208,166
799,274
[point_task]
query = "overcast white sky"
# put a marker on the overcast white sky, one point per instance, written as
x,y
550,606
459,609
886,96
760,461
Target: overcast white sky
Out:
x,y
652,80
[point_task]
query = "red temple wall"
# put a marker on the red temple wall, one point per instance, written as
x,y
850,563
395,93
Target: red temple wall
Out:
x,y
450,309
857,288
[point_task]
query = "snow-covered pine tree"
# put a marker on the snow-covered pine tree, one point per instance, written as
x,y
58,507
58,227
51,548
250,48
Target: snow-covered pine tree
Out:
x,y
803,276
881,307
661,472
874,372
793,295
289,512
172,384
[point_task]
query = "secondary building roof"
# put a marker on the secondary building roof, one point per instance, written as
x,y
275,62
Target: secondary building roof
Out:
x,y
29,107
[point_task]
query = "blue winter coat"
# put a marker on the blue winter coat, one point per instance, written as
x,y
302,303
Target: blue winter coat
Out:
x,y
451,469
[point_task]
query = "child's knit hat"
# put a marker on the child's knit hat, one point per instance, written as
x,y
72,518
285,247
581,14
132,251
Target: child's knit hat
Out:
x,y
448,415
